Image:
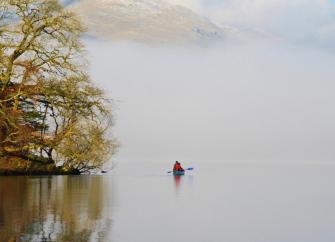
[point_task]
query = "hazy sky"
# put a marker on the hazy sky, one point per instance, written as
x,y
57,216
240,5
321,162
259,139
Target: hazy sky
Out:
x,y
301,21
262,99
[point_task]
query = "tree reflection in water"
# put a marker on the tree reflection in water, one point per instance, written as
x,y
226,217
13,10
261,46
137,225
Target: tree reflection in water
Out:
x,y
52,209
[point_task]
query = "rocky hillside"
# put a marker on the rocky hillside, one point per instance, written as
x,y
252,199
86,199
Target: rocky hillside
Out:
x,y
145,21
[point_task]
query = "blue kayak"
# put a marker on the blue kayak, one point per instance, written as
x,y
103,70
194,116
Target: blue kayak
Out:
x,y
178,173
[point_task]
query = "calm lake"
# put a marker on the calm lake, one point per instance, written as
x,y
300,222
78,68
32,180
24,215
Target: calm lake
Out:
x,y
142,203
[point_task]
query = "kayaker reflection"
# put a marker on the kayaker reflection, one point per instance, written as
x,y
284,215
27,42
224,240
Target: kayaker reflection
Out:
x,y
177,167
177,181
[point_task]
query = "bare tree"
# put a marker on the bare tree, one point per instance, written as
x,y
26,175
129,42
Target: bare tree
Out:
x,y
50,111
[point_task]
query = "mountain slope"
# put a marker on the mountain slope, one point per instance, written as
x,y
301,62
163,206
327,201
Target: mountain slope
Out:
x,y
145,21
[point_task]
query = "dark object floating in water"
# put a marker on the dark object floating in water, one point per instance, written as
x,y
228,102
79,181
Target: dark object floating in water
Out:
x,y
178,173
103,171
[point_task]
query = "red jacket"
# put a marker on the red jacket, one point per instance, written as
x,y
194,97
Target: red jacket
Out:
x,y
177,167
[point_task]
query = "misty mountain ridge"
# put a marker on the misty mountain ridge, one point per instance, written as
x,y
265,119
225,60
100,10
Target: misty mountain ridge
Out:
x,y
148,21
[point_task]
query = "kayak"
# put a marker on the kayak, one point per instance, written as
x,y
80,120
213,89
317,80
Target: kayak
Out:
x,y
178,173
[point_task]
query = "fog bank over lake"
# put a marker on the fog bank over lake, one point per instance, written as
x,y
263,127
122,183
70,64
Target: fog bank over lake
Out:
x,y
256,101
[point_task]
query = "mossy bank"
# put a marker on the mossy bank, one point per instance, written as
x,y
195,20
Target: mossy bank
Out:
x,y
16,166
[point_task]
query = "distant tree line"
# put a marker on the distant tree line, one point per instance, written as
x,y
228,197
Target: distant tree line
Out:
x,y
50,111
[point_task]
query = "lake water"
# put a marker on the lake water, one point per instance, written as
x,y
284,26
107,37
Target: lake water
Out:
x,y
142,203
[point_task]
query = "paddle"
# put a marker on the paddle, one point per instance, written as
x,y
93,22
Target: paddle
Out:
x,y
187,169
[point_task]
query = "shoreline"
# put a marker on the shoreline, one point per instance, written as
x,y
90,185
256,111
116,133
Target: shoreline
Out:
x,y
16,166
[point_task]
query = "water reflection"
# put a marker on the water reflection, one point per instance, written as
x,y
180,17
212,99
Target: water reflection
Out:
x,y
217,203
52,209
177,180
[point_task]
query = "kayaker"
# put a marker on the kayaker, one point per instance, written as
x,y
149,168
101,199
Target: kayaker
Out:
x,y
177,167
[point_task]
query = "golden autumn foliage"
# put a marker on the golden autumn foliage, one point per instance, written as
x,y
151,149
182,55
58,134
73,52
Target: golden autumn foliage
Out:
x,y
49,107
